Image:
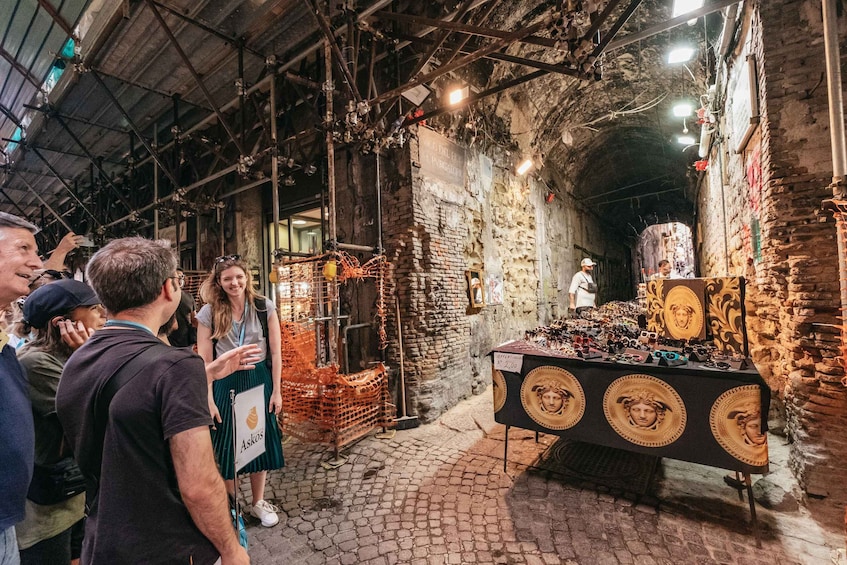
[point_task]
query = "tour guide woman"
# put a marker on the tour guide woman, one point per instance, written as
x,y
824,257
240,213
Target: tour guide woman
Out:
x,y
232,316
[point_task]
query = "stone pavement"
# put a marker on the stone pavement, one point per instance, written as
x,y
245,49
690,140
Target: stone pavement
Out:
x,y
438,494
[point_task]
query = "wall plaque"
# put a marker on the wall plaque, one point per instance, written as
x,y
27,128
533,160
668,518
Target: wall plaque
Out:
x,y
440,158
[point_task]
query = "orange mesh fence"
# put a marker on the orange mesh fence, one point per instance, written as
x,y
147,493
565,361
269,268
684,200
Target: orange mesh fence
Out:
x,y
320,405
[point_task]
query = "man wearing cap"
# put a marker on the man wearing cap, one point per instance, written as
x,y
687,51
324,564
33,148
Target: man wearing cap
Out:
x,y
19,257
159,497
583,291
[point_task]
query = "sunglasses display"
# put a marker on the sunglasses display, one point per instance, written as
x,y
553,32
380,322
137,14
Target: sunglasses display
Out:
x,y
611,333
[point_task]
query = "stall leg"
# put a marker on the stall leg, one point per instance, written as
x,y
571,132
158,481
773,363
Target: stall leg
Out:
x,y
752,503
506,449
536,436
740,490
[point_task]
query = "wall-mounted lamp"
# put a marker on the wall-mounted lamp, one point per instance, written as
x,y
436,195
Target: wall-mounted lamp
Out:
x,y
524,167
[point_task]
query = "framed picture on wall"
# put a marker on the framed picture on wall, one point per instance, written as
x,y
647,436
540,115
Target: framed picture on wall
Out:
x,y
476,287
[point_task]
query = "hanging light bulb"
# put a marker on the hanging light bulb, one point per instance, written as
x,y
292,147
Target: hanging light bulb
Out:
x,y
684,126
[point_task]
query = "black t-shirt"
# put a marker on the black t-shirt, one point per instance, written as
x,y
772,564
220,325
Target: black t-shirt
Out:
x,y
185,334
137,515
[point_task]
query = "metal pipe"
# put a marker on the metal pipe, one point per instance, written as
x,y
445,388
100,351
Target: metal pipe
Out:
x,y
836,128
274,166
346,349
241,189
379,249
65,184
333,227
93,160
323,24
134,128
836,106
354,247
185,190
44,202
193,71
156,182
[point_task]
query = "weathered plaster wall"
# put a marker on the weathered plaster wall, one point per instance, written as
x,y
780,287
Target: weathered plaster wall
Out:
x,y
494,221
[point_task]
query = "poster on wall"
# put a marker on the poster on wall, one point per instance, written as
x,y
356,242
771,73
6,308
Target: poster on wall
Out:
x,y
476,288
743,114
494,284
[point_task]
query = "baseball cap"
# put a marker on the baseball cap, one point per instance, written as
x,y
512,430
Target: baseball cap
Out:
x,y
587,262
57,299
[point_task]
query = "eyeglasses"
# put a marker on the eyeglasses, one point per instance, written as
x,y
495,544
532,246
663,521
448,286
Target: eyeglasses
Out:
x,y
225,258
669,355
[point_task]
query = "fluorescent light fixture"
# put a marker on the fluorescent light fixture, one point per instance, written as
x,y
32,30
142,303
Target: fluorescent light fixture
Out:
x,y
416,95
682,110
681,7
680,55
685,140
524,167
457,95
299,222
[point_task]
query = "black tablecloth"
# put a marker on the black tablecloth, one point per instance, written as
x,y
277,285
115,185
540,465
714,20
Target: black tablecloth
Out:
x,y
709,416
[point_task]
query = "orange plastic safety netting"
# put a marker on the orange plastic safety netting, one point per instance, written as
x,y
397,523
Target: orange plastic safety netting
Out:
x,y
320,405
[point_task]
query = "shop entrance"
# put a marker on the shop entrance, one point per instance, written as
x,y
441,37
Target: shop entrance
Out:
x,y
670,241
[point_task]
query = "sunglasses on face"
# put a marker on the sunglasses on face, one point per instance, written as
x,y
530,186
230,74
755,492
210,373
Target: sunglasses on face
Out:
x,y
225,258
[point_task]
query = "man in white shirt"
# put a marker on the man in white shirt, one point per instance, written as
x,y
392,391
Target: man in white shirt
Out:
x,y
583,291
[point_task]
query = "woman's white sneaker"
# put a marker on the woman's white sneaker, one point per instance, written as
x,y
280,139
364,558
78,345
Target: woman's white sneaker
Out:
x,y
266,512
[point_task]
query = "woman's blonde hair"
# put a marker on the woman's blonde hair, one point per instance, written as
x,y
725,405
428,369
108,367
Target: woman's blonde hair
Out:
x,y
212,293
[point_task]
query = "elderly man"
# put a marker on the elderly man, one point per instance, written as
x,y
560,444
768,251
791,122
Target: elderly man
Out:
x,y
159,497
19,257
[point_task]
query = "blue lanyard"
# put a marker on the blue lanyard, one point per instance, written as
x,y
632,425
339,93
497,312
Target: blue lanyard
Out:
x,y
127,324
243,326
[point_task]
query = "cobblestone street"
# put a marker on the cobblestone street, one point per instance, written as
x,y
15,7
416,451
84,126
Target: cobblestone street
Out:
x,y
437,494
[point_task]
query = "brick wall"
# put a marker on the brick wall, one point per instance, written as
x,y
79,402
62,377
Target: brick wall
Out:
x,y
793,283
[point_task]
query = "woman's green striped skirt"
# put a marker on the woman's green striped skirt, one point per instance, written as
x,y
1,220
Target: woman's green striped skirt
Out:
x,y
222,436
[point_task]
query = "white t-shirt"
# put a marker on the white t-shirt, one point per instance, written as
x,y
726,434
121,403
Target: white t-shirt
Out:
x,y
579,288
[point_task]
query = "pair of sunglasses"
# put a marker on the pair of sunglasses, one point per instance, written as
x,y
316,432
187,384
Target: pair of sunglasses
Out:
x,y
669,355
224,258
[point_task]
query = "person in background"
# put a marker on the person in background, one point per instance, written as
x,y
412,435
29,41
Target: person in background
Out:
x,y
52,533
56,262
664,270
583,290
19,257
185,334
157,496
233,316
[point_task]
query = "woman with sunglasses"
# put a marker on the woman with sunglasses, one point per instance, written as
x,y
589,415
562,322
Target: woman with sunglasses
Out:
x,y
235,315
52,528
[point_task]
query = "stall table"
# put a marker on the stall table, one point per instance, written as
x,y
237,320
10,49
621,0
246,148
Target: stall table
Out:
x,y
690,412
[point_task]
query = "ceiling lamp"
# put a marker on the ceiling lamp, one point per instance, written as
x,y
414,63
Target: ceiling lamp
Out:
x,y
685,140
458,94
680,55
682,110
299,222
524,167
682,7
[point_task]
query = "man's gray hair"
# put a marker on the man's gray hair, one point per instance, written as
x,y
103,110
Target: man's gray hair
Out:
x,y
12,221
128,273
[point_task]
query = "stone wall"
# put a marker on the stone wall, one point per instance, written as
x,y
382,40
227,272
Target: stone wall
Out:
x,y
435,230
793,290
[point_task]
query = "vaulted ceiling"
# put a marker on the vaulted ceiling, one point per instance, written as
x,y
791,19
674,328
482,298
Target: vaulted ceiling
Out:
x,y
581,84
